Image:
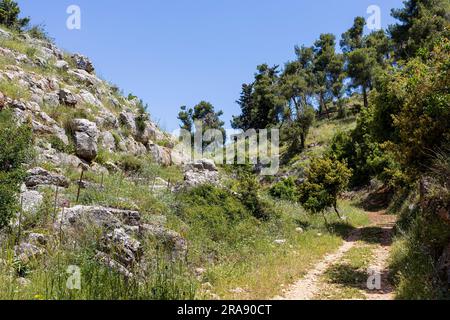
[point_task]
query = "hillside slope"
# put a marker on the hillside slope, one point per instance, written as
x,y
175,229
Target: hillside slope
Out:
x,y
104,195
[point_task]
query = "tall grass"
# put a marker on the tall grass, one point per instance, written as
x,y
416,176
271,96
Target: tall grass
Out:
x,y
48,279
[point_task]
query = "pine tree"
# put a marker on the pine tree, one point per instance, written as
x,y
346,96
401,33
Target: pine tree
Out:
x,y
9,15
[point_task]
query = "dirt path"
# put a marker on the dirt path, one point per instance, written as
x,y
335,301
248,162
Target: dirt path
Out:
x,y
377,237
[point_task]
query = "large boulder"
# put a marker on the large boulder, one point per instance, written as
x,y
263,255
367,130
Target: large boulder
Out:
x,y
62,65
83,63
4,34
161,155
86,138
67,98
122,247
131,146
27,252
108,218
200,172
51,99
107,141
112,264
85,77
31,200
89,98
128,120
149,133
38,177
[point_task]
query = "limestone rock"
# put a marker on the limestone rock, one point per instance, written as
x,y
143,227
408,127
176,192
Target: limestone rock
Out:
x,y
4,34
38,176
62,65
122,247
86,138
89,98
108,218
37,239
200,172
110,263
160,154
67,98
27,252
83,63
128,119
107,141
31,200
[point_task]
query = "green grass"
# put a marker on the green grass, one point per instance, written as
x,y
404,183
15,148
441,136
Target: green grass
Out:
x,y
239,251
48,281
19,46
14,90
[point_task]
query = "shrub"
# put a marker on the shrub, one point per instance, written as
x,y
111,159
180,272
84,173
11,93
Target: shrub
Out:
x,y
218,222
12,157
326,179
39,32
362,152
285,190
249,195
142,118
103,156
130,163
412,108
60,146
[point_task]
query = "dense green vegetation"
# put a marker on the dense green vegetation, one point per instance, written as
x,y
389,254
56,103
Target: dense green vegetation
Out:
x,y
12,158
377,113
402,78
9,15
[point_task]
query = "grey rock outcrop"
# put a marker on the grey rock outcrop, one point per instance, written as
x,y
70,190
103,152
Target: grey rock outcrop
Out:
x,y
67,98
38,176
27,252
86,138
123,248
200,172
160,154
31,200
107,218
62,65
83,63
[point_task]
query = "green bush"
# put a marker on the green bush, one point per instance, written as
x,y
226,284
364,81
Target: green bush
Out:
x,y
60,146
362,153
412,109
326,179
39,32
130,163
219,223
12,158
248,188
285,190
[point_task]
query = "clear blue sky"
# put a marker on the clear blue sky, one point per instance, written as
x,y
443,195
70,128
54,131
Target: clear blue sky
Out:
x,y
178,52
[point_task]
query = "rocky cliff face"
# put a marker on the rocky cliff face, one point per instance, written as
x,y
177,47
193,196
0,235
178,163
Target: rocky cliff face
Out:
x,y
82,123
70,108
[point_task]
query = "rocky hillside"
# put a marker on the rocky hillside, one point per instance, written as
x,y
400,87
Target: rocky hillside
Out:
x,y
81,123
75,115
